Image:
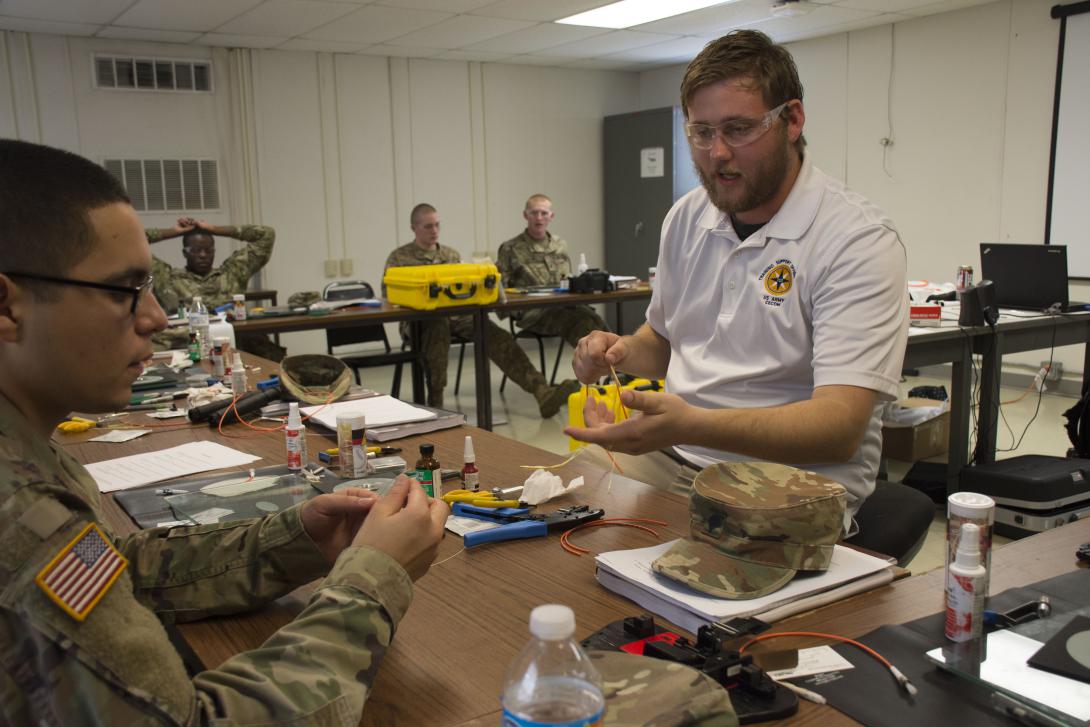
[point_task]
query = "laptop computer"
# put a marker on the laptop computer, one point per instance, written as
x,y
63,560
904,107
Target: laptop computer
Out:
x,y
1027,277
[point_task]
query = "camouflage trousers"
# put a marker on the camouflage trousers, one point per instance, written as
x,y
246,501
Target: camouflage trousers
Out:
x,y
569,322
435,340
658,469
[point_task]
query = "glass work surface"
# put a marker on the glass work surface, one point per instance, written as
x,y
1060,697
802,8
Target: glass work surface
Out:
x,y
998,661
245,497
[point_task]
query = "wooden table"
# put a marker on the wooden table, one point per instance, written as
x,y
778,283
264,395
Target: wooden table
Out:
x,y
387,313
469,614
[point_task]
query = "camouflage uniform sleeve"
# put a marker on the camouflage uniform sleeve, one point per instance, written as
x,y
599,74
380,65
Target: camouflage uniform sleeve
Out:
x,y
186,573
505,263
320,666
242,264
118,666
153,234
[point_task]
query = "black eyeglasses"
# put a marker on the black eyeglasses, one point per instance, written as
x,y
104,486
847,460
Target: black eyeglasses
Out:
x,y
135,292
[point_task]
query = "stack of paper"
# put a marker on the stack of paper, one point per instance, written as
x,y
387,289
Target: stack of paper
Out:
x,y
380,411
628,572
185,459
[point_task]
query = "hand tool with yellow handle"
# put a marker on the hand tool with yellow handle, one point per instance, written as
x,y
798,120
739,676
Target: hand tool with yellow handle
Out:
x,y
75,425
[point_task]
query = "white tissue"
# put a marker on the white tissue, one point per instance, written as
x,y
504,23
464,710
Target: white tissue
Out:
x,y
542,486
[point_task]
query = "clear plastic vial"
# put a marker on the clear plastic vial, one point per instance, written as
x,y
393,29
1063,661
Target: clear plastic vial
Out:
x,y
552,682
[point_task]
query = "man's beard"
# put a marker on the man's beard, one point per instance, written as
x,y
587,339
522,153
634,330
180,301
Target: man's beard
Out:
x,y
756,189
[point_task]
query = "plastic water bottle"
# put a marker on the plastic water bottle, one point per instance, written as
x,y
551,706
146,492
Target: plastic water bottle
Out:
x,y
552,683
198,323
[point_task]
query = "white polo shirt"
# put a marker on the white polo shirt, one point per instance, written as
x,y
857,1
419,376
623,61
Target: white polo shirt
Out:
x,y
815,297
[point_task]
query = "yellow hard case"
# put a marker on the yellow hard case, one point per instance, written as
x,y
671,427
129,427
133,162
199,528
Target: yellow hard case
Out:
x,y
427,287
608,394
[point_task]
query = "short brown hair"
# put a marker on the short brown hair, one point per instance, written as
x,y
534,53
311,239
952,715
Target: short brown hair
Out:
x,y
537,198
745,54
421,209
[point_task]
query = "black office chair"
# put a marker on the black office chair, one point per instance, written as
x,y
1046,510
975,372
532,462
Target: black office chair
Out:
x,y
337,337
894,521
522,333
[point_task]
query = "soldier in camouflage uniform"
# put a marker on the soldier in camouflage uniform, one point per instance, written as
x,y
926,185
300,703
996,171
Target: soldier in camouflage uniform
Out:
x,y
77,649
754,526
435,334
537,257
176,287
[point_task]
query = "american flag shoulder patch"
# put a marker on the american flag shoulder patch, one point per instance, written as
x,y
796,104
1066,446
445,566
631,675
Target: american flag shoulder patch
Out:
x,y
80,574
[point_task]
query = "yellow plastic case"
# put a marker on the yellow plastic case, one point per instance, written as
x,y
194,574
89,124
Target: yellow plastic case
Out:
x,y
427,287
608,394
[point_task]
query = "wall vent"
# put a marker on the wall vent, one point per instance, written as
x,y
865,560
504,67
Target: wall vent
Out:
x,y
169,185
152,74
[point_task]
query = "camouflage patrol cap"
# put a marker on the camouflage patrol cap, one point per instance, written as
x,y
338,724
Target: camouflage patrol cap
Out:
x,y
315,378
644,692
754,525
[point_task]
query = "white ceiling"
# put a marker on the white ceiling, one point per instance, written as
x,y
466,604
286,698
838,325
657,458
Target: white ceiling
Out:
x,y
507,31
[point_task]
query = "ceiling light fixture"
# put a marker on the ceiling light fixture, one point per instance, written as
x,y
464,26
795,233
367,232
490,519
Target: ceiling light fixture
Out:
x,y
627,13
790,8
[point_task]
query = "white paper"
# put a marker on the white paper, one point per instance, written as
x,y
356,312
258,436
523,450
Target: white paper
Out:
x,y
185,459
211,515
461,525
119,435
168,414
634,566
818,660
380,411
652,162
1006,668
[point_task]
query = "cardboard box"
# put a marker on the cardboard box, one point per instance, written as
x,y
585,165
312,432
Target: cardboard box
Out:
x,y
912,442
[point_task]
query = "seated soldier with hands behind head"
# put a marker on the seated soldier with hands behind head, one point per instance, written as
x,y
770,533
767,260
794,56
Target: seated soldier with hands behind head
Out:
x,y
76,323
176,287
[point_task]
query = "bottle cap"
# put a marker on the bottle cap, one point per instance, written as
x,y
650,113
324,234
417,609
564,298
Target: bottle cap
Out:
x,y
239,297
236,362
427,449
552,621
468,455
294,422
971,506
969,546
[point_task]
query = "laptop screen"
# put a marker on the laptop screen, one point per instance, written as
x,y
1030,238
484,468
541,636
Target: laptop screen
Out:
x,y
1032,277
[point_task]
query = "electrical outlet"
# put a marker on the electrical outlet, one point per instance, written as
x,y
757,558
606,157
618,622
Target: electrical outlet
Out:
x,y
331,268
346,266
1055,373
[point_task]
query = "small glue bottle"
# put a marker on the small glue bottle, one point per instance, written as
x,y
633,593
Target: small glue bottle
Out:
x,y
295,434
583,267
471,476
238,375
428,472
965,588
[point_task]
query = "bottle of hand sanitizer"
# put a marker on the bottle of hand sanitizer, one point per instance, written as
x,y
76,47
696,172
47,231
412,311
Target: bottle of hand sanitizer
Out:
x,y
965,588
295,434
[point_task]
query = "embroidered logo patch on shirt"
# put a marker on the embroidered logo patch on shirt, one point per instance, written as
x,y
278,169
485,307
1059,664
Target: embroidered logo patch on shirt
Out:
x,y
81,573
777,280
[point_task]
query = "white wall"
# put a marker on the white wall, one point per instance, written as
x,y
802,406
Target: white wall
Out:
x,y
342,146
970,104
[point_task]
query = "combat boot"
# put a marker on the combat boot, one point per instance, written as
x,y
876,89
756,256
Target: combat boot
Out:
x,y
551,398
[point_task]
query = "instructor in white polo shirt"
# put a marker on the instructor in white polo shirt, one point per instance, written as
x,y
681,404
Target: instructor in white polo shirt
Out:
x,y
779,316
